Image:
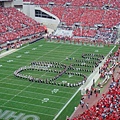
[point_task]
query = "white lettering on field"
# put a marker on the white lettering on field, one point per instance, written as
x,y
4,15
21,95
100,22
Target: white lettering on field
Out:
x,y
10,61
8,114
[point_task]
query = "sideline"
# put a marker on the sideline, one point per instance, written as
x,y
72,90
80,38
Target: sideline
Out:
x,y
11,51
7,53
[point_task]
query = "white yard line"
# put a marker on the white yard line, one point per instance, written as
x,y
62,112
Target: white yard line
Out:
x,y
32,104
72,53
29,111
33,92
16,94
31,98
38,88
7,53
11,51
66,104
5,77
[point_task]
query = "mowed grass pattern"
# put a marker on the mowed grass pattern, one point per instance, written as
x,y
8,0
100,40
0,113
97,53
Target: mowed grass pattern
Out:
x,y
23,96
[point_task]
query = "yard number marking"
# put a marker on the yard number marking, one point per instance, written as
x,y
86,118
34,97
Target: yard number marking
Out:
x,y
26,52
55,91
10,61
45,100
18,56
40,45
96,50
34,48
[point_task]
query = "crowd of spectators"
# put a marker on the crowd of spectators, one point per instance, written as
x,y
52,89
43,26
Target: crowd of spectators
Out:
x,y
93,3
15,25
87,14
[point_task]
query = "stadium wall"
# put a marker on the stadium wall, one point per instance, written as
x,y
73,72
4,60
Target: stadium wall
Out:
x,y
18,2
29,10
8,4
13,3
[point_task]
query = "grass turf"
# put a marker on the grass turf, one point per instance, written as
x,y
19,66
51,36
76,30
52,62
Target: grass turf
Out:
x,y
43,100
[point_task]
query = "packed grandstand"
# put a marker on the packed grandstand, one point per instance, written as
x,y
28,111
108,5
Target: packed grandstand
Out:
x,y
84,20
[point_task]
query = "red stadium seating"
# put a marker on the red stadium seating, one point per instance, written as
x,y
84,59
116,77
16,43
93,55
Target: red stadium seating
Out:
x,y
111,18
98,3
72,15
14,24
115,3
87,17
58,11
79,2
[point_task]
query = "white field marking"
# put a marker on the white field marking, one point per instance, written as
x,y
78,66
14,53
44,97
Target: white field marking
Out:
x,y
32,98
11,51
71,54
10,61
28,111
26,52
0,65
19,56
66,104
74,95
17,94
40,45
5,77
96,50
39,88
34,48
32,92
48,52
54,91
7,53
31,104
44,100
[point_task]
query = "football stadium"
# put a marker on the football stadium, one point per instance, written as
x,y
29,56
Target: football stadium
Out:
x,y
59,59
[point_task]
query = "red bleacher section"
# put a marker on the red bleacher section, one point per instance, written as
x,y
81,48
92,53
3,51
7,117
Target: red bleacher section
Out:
x,y
14,25
87,13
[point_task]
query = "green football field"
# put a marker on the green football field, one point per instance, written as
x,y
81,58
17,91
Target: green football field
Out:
x,y
21,99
